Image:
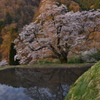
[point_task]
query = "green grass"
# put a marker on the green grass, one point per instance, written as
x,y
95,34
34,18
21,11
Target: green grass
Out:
x,y
6,67
61,63
48,65
87,87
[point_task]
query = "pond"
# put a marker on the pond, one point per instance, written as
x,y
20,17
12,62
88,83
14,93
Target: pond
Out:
x,y
38,83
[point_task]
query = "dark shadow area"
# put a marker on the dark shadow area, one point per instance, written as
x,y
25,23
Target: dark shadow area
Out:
x,y
11,55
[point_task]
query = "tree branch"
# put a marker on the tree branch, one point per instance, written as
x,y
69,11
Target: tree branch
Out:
x,y
54,51
37,48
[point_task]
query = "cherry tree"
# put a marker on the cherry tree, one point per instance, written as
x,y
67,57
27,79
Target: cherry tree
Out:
x,y
3,63
55,33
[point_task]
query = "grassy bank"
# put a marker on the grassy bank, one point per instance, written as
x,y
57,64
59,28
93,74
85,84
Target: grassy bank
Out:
x,y
50,65
87,87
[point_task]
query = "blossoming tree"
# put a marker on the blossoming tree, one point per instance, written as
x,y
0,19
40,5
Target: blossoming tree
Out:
x,y
55,33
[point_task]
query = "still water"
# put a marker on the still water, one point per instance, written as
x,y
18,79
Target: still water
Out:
x,y
37,84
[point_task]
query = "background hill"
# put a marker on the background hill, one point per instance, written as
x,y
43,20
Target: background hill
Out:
x,y
14,14
88,4
18,11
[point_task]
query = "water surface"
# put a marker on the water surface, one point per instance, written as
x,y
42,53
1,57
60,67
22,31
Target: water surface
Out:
x,y
37,84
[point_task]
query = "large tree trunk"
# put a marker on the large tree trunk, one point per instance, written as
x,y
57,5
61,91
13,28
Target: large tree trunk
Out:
x,y
63,60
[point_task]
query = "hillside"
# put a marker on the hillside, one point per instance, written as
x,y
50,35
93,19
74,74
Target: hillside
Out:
x,y
58,33
89,4
18,11
14,14
87,87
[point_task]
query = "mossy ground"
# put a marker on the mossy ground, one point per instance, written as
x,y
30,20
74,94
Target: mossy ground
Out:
x,y
87,87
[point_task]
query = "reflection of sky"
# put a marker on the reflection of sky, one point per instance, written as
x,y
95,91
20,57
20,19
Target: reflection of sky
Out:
x,y
10,93
32,93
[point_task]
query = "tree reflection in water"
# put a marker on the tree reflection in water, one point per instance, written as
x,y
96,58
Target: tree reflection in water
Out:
x,y
47,84
40,83
38,93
